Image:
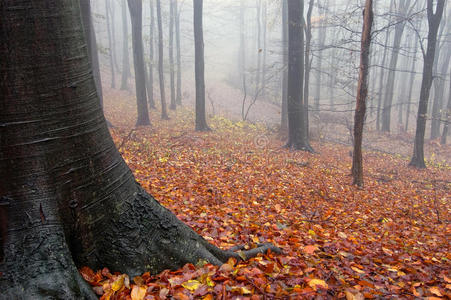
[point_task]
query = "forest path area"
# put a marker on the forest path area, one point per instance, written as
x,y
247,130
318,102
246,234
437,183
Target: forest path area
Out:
x,y
237,185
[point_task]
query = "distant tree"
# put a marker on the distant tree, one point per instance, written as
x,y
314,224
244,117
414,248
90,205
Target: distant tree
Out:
x,y
67,198
125,54
447,114
164,114
178,97
150,78
135,8
284,108
362,93
433,22
296,133
201,121
110,44
308,65
171,53
322,33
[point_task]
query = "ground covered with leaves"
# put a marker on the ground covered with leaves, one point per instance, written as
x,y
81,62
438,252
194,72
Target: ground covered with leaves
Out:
x,y
237,185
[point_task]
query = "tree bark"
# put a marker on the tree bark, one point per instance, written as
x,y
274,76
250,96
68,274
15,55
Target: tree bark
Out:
x,y
164,114
321,40
171,54
296,133
178,98
68,196
135,8
125,54
201,121
434,22
362,93
308,65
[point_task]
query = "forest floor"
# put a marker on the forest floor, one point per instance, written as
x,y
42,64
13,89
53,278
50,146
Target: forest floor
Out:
x,y
238,185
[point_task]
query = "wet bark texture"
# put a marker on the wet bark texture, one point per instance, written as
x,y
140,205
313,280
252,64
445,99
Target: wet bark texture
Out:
x,y
433,22
362,93
201,121
125,54
135,8
296,134
68,196
164,114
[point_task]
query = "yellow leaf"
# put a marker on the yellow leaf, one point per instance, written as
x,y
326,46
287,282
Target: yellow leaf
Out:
x,y
342,235
311,232
138,292
358,270
315,283
191,285
118,283
210,282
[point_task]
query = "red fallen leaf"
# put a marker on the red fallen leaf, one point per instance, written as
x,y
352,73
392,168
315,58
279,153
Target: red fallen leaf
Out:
x,y
219,278
106,273
180,296
310,249
88,275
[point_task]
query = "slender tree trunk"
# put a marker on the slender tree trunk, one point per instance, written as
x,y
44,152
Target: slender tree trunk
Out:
x,y
259,48
284,113
308,38
242,56
135,8
164,114
150,81
265,45
296,133
110,44
171,54
362,93
448,115
178,98
321,40
201,121
434,22
68,196
125,54
113,35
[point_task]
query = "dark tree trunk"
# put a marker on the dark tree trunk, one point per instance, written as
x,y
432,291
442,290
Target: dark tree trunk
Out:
x,y
110,44
284,113
68,196
171,54
201,121
164,114
308,65
448,115
362,93
412,80
434,22
135,8
178,98
296,133
125,53
150,96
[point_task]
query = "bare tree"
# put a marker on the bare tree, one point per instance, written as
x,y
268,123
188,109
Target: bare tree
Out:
x,y
362,93
433,22
448,115
201,121
150,78
171,53
284,108
178,98
110,44
164,114
125,54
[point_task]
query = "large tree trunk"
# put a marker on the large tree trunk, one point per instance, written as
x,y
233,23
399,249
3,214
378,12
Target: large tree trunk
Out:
x,y
171,54
178,98
135,8
296,134
164,114
68,196
125,54
434,22
362,92
284,110
201,121
150,96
